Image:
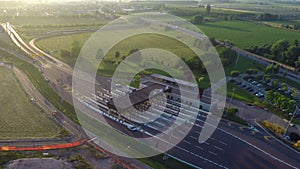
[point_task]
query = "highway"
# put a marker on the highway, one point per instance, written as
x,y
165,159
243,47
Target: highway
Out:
x,y
231,146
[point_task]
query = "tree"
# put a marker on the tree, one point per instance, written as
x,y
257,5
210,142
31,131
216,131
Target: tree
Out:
x,y
251,71
279,47
201,79
294,92
227,55
75,49
99,53
197,19
235,73
297,63
269,69
294,136
64,53
270,95
117,54
276,69
284,87
194,63
208,9
275,83
296,43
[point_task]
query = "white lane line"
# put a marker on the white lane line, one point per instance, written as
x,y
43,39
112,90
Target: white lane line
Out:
x,y
183,149
194,137
223,143
200,147
215,154
192,165
206,143
219,148
187,142
277,138
252,145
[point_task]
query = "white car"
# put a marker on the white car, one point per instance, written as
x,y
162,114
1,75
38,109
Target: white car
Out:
x,y
132,127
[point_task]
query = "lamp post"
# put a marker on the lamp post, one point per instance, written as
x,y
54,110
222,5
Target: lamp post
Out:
x,y
233,90
288,125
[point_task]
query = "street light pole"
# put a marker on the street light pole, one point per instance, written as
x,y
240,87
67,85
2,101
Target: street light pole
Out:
x,y
233,90
288,125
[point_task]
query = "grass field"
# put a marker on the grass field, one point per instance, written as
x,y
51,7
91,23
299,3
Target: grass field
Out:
x,y
20,118
245,34
54,44
40,84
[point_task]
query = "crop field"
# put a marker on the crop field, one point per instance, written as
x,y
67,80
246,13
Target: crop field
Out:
x,y
19,117
245,34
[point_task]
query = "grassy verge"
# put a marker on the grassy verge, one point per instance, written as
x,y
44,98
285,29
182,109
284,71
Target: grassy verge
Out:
x,y
159,162
287,81
243,65
240,93
230,114
40,84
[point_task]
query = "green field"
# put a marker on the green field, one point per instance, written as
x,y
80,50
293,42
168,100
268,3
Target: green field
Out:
x,y
245,34
21,118
53,45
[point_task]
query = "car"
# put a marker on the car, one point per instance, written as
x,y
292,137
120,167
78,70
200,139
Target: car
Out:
x,y
248,88
269,84
259,94
254,82
287,137
238,83
249,80
132,127
288,92
244,86
279,89
259,85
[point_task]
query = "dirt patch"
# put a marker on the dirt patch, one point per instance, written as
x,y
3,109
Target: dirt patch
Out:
x,y
41,163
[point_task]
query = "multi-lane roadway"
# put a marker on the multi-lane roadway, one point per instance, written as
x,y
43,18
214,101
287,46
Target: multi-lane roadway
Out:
x,y
231,146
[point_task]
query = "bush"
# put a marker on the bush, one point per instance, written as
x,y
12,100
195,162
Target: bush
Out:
x,y
235,73
273,127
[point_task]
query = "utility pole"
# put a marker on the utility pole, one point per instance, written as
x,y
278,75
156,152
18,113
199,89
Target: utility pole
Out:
x,y
233,90
288,125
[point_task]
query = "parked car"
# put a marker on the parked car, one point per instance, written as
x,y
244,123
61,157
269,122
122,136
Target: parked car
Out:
x,y
259,85
254,82
259,94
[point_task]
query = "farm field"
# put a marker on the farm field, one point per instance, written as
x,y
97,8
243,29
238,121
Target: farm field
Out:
x,y
245,34
21,118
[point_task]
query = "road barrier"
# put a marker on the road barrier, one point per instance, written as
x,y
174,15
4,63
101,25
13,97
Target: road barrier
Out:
x,y
43,147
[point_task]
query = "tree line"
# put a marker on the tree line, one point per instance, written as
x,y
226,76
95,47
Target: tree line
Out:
x,y
282,51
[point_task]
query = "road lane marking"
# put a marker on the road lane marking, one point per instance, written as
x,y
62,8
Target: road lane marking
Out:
x,y
215,154
200,147
223,143
212,138
187,142
267,138
218,148
206,143
194,137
